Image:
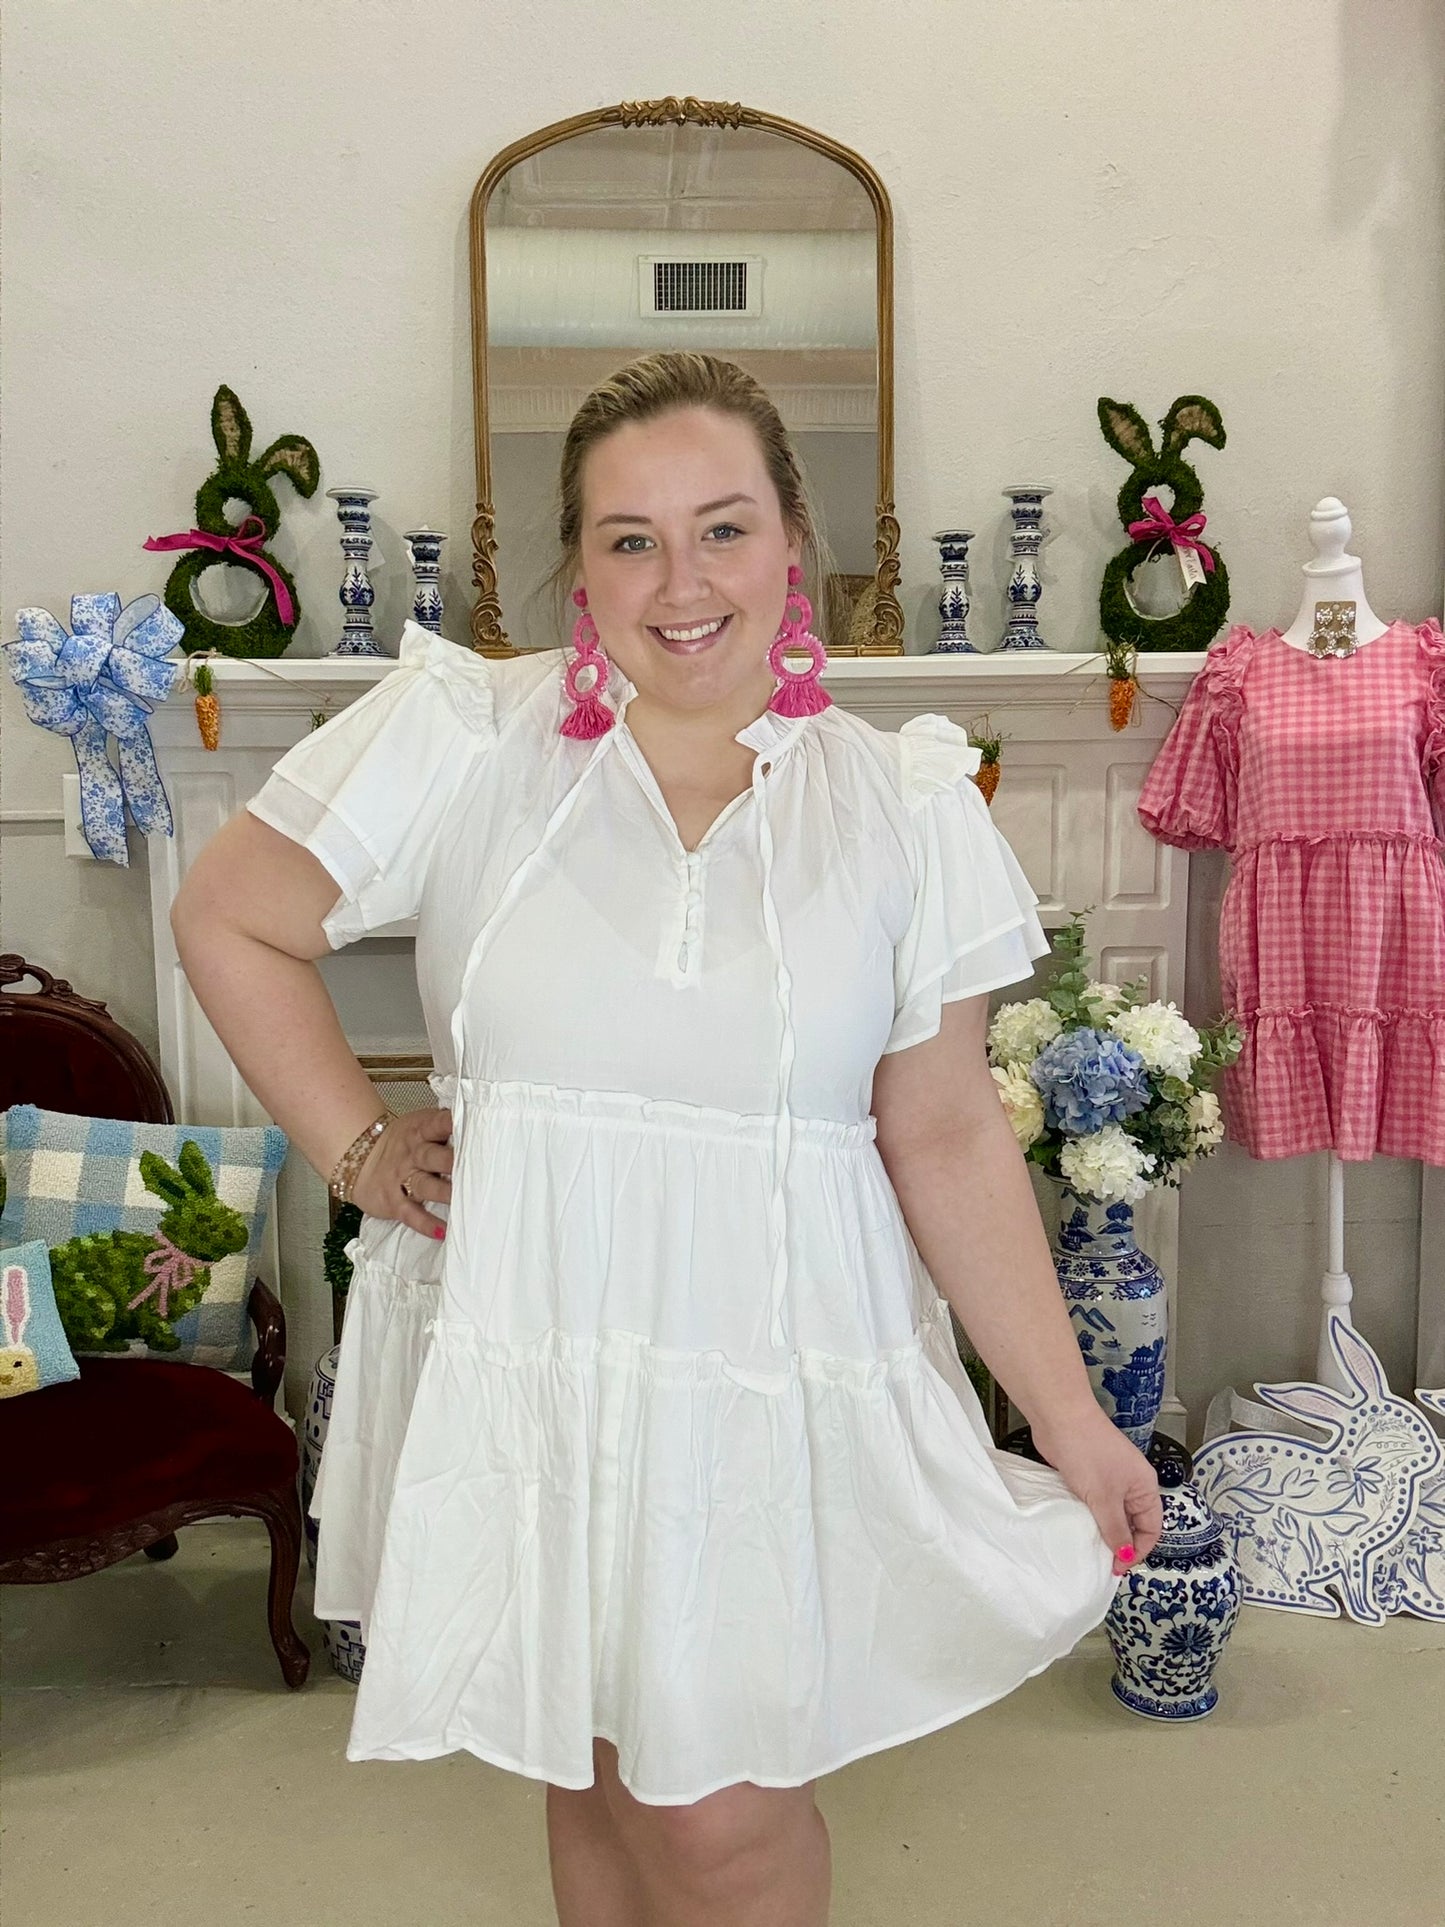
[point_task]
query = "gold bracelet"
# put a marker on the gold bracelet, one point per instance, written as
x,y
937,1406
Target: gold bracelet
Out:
x,y
348,1165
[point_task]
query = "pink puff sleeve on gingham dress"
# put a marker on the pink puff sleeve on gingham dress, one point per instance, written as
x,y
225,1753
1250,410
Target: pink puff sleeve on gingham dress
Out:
x,y
1324,779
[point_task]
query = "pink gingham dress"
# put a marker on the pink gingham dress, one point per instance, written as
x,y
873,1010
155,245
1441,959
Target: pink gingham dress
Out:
x,y
1325,781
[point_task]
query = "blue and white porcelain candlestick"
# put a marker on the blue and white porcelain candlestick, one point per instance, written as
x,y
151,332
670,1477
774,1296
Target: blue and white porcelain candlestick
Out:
x,y
424,549
1024,588
353,511
953,601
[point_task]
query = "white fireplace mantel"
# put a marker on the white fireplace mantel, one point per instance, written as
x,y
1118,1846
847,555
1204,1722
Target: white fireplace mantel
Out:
x,y
1041,675
1066,803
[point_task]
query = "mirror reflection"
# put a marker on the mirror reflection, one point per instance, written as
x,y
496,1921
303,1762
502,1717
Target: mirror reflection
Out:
x,y
621,241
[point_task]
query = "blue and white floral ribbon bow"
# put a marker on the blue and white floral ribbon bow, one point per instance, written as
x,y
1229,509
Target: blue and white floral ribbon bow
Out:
x,y
102,680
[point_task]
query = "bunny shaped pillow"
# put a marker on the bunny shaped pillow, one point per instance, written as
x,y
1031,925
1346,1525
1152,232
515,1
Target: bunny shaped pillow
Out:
x,y
33,1351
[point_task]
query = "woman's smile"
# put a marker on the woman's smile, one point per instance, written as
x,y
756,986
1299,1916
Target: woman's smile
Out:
x,y
690,639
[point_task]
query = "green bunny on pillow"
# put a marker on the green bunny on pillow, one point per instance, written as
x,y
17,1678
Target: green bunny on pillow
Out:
x,y
115,1286
269,632
1149,522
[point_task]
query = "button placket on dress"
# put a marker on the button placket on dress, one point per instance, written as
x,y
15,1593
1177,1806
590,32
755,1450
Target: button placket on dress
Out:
x,y
680,944
692,902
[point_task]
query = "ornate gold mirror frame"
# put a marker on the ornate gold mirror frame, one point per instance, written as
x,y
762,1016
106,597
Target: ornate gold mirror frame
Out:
x,y
883,633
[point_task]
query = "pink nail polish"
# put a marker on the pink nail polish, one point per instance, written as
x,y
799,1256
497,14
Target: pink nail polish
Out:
x,y
1125,1555
439,1233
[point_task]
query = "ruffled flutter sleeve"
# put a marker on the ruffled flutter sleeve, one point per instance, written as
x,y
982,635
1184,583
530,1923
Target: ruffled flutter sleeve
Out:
x,y
974,925
1188,795
1432,644
367,793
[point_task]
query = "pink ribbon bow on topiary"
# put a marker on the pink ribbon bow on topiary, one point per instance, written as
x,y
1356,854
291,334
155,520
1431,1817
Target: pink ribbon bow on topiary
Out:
x,y
246,547
1162,527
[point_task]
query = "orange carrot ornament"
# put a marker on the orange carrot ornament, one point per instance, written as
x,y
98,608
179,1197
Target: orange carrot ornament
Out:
x,y
989,743
208,707
1120,662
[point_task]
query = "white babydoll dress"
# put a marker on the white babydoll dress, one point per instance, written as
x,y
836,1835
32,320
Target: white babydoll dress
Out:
x,y
668,1441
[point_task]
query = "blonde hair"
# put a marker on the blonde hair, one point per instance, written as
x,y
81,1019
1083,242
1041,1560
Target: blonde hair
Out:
x,y
655,385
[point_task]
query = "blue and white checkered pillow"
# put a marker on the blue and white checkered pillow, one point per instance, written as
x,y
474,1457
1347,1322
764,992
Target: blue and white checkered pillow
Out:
x,y
67,1177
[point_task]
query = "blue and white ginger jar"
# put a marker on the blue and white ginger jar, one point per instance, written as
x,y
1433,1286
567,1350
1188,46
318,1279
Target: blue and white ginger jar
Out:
x,y
1173,1613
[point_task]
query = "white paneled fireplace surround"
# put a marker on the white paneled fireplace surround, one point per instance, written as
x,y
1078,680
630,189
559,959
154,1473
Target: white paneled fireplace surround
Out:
x,y
1066,804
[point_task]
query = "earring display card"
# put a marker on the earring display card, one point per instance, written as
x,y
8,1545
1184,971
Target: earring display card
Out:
x,y
1333,633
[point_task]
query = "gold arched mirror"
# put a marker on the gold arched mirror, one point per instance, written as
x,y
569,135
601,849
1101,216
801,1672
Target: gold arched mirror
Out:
x,y
683,223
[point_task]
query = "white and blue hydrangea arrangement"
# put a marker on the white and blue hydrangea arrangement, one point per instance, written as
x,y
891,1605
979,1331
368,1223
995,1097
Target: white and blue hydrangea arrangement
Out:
x,y
1107,1092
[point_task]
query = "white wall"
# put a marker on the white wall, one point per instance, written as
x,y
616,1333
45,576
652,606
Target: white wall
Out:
x,y
1091,197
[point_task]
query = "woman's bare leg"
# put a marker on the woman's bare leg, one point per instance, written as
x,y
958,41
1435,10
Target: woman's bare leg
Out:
x,y
746,1856
594,1882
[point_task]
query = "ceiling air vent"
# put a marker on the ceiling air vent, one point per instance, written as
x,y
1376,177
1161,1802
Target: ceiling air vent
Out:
x,y
674,287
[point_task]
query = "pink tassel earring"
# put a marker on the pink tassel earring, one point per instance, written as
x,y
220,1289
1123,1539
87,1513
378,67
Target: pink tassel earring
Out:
x,y
586,678
799,692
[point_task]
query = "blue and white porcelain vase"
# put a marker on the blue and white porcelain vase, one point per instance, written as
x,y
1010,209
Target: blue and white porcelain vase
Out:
x,y
424,550
1026,506
340,1637
356,594
953,600
1173,1613
1116,1298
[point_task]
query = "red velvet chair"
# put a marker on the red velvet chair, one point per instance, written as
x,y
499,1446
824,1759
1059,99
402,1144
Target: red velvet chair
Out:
x,y
117,1461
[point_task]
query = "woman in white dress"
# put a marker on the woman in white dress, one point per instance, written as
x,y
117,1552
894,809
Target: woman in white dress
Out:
x,y
653,1472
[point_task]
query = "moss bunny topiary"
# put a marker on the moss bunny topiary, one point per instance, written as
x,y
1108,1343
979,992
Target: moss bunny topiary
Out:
x,y
1195,625
269,632
115,1286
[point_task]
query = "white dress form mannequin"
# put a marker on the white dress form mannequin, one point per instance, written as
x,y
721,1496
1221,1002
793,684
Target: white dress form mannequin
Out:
x,y
1333,576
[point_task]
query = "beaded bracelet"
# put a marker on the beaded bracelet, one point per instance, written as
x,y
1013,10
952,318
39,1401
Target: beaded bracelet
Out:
x,y
348,1165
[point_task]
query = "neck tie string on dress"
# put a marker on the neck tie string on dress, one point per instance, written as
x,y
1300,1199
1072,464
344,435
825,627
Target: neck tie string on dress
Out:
x,y
512,889
778,1322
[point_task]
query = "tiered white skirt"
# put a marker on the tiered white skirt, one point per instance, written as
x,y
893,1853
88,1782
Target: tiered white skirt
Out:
x,y
568,1489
